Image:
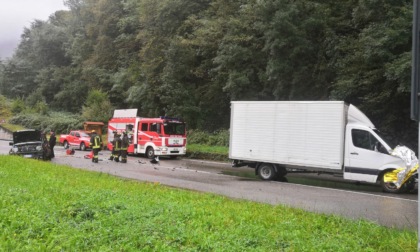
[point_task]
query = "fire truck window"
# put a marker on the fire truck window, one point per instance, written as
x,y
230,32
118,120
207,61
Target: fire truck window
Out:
x,y
174,128
144,126
154,127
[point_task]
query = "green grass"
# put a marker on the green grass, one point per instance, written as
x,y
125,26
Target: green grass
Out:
x,y
200,151
12,127
209,149
47,207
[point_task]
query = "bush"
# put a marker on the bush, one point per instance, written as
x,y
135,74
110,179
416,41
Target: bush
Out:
x,y
218,138
5,110
18,105
60,122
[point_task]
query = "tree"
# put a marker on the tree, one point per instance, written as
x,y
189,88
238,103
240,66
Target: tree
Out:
x,y
97,107
374,72
295,34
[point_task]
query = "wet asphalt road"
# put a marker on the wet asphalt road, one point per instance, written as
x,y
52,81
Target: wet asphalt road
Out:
x,y
321,194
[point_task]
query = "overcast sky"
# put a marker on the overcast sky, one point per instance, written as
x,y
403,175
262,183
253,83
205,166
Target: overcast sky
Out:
x,y
17,14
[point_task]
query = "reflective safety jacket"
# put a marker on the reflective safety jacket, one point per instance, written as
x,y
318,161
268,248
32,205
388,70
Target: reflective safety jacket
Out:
x,y
95,142
124,142
117,144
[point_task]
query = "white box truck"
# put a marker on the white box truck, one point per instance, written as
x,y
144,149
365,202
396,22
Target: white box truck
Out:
x,y
275,137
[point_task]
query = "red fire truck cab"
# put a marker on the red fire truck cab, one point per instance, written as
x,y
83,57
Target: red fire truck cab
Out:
x,y
163,136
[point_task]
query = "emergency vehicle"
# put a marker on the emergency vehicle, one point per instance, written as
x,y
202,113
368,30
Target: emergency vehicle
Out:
x,y
163,136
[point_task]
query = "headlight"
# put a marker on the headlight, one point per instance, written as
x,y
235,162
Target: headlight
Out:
x,y
164,149
39,148
15,149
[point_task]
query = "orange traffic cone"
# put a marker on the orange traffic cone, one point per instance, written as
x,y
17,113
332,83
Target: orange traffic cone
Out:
x,y
70,151
89,156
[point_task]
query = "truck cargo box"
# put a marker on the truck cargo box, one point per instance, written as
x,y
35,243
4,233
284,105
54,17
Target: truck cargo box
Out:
x,y
291,133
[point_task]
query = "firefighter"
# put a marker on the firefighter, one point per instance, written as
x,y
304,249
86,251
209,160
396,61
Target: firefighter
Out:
x,y
113,146
46,151
124,147
117,148
52,141
96,145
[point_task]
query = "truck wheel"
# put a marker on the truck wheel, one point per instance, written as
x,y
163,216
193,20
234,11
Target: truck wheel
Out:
x,y
266,172
82,147
150,152
66,145
390,187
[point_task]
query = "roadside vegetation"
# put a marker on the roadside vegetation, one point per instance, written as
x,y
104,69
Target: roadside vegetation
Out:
x,y
47,207
209,146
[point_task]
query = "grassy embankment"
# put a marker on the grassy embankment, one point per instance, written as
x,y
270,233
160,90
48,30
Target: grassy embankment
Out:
x,y
47,207
199,151
209,146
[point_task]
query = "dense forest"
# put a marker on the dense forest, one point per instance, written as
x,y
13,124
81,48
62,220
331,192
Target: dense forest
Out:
x,y
190,58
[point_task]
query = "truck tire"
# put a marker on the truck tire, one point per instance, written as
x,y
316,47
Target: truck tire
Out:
x,y
66,145
267,172
390,187
150,152
82,147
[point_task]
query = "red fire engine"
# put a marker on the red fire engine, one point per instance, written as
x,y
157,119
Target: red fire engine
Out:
x,y
163,136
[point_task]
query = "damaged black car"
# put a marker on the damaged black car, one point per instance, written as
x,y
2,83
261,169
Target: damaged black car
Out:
x,y
30,144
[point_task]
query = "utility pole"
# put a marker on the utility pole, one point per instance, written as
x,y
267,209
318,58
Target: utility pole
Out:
x,y
415,86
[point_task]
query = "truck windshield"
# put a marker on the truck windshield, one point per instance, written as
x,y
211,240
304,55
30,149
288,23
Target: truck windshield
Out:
x,y
171,128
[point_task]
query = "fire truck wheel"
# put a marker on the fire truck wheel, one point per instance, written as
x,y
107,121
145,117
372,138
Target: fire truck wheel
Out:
x,y
266,172
150,152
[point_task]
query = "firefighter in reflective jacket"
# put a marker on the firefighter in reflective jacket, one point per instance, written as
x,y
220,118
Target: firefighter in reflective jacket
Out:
x,y
124,147
117,148
96,144
113,146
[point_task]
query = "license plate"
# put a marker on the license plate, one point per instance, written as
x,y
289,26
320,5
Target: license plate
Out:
x,y
27,156
176,141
